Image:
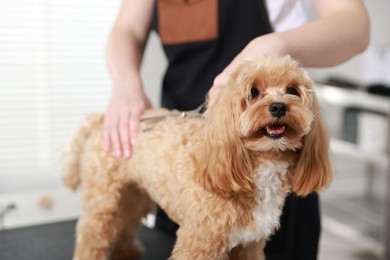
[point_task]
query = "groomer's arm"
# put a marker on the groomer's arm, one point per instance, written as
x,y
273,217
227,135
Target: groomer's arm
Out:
x,y
341,31
128,101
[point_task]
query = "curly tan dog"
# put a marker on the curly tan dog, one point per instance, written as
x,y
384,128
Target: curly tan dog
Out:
x,y
222,177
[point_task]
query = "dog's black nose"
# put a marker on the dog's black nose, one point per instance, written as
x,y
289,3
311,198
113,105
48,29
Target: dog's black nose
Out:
x,y
278,109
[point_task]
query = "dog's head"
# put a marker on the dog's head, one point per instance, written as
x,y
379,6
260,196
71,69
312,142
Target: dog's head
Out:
x,y
268,105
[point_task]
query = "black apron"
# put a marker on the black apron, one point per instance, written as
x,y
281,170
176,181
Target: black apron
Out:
x,y
200,38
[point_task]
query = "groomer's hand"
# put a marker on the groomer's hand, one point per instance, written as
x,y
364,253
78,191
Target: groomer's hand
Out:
x,y
122,120
271,43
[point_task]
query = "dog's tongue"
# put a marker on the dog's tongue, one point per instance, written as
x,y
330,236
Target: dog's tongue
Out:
x,y
275,129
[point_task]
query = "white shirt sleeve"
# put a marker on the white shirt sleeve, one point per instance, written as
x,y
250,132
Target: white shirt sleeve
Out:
x,y
287,14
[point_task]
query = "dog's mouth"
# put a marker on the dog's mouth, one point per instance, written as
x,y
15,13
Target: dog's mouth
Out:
x,y
274,131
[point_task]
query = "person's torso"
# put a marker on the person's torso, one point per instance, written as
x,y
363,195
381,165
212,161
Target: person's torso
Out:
x,y
200,38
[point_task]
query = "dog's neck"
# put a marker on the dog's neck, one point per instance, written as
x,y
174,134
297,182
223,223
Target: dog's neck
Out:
x,y
270,180
274,155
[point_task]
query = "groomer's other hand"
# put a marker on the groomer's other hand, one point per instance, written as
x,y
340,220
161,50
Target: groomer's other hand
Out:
x,y
267,44
122,120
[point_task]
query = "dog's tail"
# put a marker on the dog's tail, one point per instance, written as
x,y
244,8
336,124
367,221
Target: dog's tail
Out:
x,y
70,160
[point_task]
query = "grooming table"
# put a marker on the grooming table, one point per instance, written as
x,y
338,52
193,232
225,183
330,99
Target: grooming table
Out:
x,y
56,242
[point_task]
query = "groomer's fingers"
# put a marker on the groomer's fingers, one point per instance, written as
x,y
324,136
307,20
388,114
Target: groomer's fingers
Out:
x,y
106,138
123,129
134,125
218,83
115,141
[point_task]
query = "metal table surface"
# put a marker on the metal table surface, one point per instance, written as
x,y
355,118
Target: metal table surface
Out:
x,y
373,103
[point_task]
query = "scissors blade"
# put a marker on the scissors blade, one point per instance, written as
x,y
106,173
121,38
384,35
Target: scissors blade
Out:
x,y
198,112
162,117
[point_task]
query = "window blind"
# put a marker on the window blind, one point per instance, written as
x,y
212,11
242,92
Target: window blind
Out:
x,y
52,72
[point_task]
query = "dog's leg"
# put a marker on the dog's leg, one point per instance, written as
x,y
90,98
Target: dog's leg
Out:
x,y
252,251
96,233
134,204
99,226
196,243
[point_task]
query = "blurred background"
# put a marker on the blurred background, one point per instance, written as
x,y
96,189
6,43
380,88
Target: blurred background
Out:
x,y
53,72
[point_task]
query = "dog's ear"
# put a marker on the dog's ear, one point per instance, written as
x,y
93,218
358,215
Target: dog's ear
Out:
x,y
313,172
223,164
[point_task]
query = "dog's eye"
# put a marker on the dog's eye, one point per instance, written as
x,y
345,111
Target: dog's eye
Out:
x,y
254,92
292,91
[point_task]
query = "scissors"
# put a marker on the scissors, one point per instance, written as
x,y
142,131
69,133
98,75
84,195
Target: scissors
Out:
x,y
197,112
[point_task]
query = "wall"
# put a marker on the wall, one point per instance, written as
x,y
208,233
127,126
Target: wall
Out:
x,y
380,35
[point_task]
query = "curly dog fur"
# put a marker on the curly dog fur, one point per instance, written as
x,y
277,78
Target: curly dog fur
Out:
x,y
223,177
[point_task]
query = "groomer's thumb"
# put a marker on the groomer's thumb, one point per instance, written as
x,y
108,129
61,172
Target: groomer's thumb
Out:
x,y
219,82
